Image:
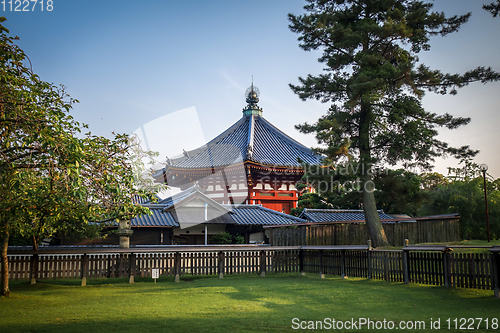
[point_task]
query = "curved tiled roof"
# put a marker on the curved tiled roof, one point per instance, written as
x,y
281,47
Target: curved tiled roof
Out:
x,y
268,146
332,215
164,216
159,218
273,147
258,215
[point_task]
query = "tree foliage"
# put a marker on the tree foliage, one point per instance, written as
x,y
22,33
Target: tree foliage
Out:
x,y
466,197
493,8
375,82
52,177
431,180
226,238
397,191
310,200
404,192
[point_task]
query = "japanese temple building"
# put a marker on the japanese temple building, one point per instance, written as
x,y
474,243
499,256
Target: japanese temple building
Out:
x,y
251,162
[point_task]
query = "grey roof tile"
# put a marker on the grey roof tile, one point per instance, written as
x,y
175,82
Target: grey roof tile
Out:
x,y
258,215
159,218
331,215
270,146
164,216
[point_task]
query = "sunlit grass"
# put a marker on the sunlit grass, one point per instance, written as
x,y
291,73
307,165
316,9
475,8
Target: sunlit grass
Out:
x,y
232,304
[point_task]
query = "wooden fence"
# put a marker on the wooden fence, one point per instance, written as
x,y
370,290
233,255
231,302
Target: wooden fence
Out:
x,y
421,231
416,264
106,263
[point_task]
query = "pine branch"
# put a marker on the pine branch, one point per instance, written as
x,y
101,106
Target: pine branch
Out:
x,y
493,8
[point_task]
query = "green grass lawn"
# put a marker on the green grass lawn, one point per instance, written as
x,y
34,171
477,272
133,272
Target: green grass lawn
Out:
x,y
233,304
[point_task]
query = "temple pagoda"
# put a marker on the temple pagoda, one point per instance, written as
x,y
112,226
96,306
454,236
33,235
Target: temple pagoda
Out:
x,y
252,162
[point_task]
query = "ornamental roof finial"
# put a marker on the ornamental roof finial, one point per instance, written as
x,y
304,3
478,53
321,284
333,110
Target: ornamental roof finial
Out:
x,y
252,98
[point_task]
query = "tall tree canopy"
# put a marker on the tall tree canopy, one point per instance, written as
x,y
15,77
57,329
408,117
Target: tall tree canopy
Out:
x,y
52,178
375,83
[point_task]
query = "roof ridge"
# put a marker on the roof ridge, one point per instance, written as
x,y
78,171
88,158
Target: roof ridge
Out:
x,y
250,137
243,205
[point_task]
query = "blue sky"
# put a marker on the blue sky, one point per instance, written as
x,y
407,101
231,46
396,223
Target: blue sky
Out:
x,y
134,62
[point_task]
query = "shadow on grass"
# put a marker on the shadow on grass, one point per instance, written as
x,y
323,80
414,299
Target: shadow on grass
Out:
x,y
242,303
160,323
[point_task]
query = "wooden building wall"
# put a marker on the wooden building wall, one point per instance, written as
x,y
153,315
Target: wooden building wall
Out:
x,y
422,231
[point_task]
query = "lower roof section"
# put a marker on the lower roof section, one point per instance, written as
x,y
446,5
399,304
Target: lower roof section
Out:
x,y
333,215
174,211
239,215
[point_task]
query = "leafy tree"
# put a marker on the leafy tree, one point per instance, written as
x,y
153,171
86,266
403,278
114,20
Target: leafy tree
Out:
x,y
399,191
493,8
335,187
50,179
310,200
375,84
466,197
431,180
99,191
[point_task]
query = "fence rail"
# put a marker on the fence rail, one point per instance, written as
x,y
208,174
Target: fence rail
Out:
x,y
423,265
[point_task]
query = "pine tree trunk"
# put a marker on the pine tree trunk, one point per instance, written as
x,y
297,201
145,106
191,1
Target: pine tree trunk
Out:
x,y
377,233
5,261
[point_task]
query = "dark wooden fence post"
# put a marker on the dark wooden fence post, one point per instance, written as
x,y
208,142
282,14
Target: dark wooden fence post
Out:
x,y
85,269
344,275
386,266
34,268
495,255
301,262
447,268
369,258
406,267
221,264
321,275
121,265
131,268
177,266
262,263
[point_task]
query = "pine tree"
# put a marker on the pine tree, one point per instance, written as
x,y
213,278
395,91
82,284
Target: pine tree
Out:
x,y
493,8
375,83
